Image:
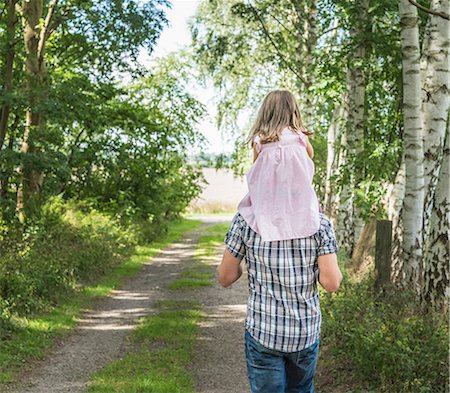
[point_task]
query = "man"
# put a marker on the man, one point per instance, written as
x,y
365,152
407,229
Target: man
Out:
x,y
283,314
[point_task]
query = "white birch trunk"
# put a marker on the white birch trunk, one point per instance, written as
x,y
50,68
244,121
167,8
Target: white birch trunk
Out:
x,y
413,146
332,137
436,266
395,196
435,100
344,199
306,29
356,119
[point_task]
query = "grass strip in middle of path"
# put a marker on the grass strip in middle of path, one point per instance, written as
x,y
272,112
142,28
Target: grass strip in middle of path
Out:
x,y
165,345
199,274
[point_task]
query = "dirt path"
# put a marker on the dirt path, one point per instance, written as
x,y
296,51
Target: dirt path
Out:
x,y
219,365
102,331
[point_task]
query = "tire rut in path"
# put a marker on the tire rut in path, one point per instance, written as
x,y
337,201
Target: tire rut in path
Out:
x,y
100,336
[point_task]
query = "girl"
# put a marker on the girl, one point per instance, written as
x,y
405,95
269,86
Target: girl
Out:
x,y
281,203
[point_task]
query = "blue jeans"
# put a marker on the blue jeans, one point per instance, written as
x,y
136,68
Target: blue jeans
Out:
x,y
271,371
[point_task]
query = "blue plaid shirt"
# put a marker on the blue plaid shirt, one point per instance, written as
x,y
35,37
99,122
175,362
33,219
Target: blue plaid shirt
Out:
x,y
283,311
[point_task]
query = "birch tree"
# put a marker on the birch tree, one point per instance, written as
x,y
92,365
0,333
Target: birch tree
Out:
x,y
435,98
306,34
394,197
425,76
350,222
413,145
436,265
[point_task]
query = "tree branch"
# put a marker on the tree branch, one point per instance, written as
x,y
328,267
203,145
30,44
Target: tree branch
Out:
x,y
280,23
267,34
429,11
44,34
329,30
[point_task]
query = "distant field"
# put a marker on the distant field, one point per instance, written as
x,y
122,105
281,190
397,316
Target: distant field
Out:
x,y
222,192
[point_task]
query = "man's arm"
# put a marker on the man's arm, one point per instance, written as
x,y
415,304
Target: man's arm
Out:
x,y
229,269
330,275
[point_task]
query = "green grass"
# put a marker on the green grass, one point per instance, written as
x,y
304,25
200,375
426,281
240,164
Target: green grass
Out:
x,y
190,283
29,338
165,343
194,276
200,275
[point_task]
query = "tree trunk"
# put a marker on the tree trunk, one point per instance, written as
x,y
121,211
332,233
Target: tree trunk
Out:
x,y
4,182
395,197
435,100
344,200
334,133
356,116
350,223
35,37
9,65
306,28
413,145
436,266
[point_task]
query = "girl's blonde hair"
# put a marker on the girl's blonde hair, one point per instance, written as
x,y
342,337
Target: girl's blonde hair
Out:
x,y
278,111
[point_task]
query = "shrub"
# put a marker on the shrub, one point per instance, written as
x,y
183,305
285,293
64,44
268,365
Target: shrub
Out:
x,y
63,247
388,341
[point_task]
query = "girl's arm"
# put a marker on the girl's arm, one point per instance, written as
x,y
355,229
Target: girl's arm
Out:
x,y
309,149
255,153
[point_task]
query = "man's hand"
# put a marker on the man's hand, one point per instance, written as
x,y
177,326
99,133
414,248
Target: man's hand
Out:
x,y
229,269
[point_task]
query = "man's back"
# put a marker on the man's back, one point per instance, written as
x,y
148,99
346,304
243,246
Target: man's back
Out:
x,y
283,310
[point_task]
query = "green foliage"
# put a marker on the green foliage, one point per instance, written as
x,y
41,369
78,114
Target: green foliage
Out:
x,y
66,246
57,252
385,340
121,146
136,164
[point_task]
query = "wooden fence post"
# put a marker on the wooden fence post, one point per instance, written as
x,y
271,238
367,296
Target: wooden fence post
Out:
x,y
383,246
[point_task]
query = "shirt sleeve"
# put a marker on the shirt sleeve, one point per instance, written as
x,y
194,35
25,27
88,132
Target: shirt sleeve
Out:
x,y
327,244
233,238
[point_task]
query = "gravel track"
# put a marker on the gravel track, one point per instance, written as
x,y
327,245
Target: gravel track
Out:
x,y
102,331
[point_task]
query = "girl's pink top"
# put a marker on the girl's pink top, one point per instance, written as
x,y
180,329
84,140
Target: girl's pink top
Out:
x,y
281,203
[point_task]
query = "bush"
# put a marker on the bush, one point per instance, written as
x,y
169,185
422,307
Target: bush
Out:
x,y
62,248
387,340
